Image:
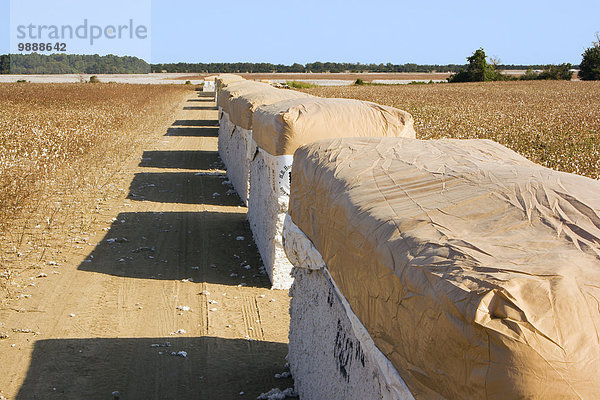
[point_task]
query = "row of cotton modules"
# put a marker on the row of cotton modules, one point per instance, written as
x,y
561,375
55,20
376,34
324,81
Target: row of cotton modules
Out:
x,y
418,269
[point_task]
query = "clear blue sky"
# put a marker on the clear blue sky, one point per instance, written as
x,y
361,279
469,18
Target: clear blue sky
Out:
x,y
283,31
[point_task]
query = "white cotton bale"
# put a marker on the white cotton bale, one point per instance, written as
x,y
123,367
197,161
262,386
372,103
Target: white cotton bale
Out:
x,y
240,111
209,86
278,129
267,205
331,355
226,129
474,270
240,149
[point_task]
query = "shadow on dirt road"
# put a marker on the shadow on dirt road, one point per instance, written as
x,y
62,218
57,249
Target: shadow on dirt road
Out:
x,y
146,368
180,245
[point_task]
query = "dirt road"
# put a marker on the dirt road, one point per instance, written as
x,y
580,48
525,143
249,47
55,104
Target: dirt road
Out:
x,y
165,300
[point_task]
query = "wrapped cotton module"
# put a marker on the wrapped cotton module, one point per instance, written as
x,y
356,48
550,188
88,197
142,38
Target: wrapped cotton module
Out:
x,y
278,130
237,102
474,271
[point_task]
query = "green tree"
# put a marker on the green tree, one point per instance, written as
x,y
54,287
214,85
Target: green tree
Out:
x,y
478,66
589,69
4,64
478,70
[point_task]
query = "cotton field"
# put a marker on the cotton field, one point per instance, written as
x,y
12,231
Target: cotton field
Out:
x,y
555,124
47,128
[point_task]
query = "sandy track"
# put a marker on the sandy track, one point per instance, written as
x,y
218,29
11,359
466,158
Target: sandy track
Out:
x,y
177,237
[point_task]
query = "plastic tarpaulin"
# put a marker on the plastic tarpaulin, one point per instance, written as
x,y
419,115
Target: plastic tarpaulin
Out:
x,y
475,271
226,79
235,89
242,107
280,128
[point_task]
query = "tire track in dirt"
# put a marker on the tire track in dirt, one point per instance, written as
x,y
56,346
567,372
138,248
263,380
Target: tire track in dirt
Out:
x,y
251,317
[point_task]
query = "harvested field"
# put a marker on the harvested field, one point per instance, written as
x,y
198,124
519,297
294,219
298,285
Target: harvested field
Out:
x,y
555,124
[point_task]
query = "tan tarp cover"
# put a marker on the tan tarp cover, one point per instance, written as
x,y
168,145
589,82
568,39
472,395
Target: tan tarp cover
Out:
x,y
235,89
226,79
282,127
476,272
242,107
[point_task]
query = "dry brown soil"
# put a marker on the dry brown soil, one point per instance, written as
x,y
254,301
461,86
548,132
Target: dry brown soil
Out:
x,y
105,318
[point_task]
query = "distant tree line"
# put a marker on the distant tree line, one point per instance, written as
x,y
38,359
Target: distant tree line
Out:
x,y
477,68
35,63
316,67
